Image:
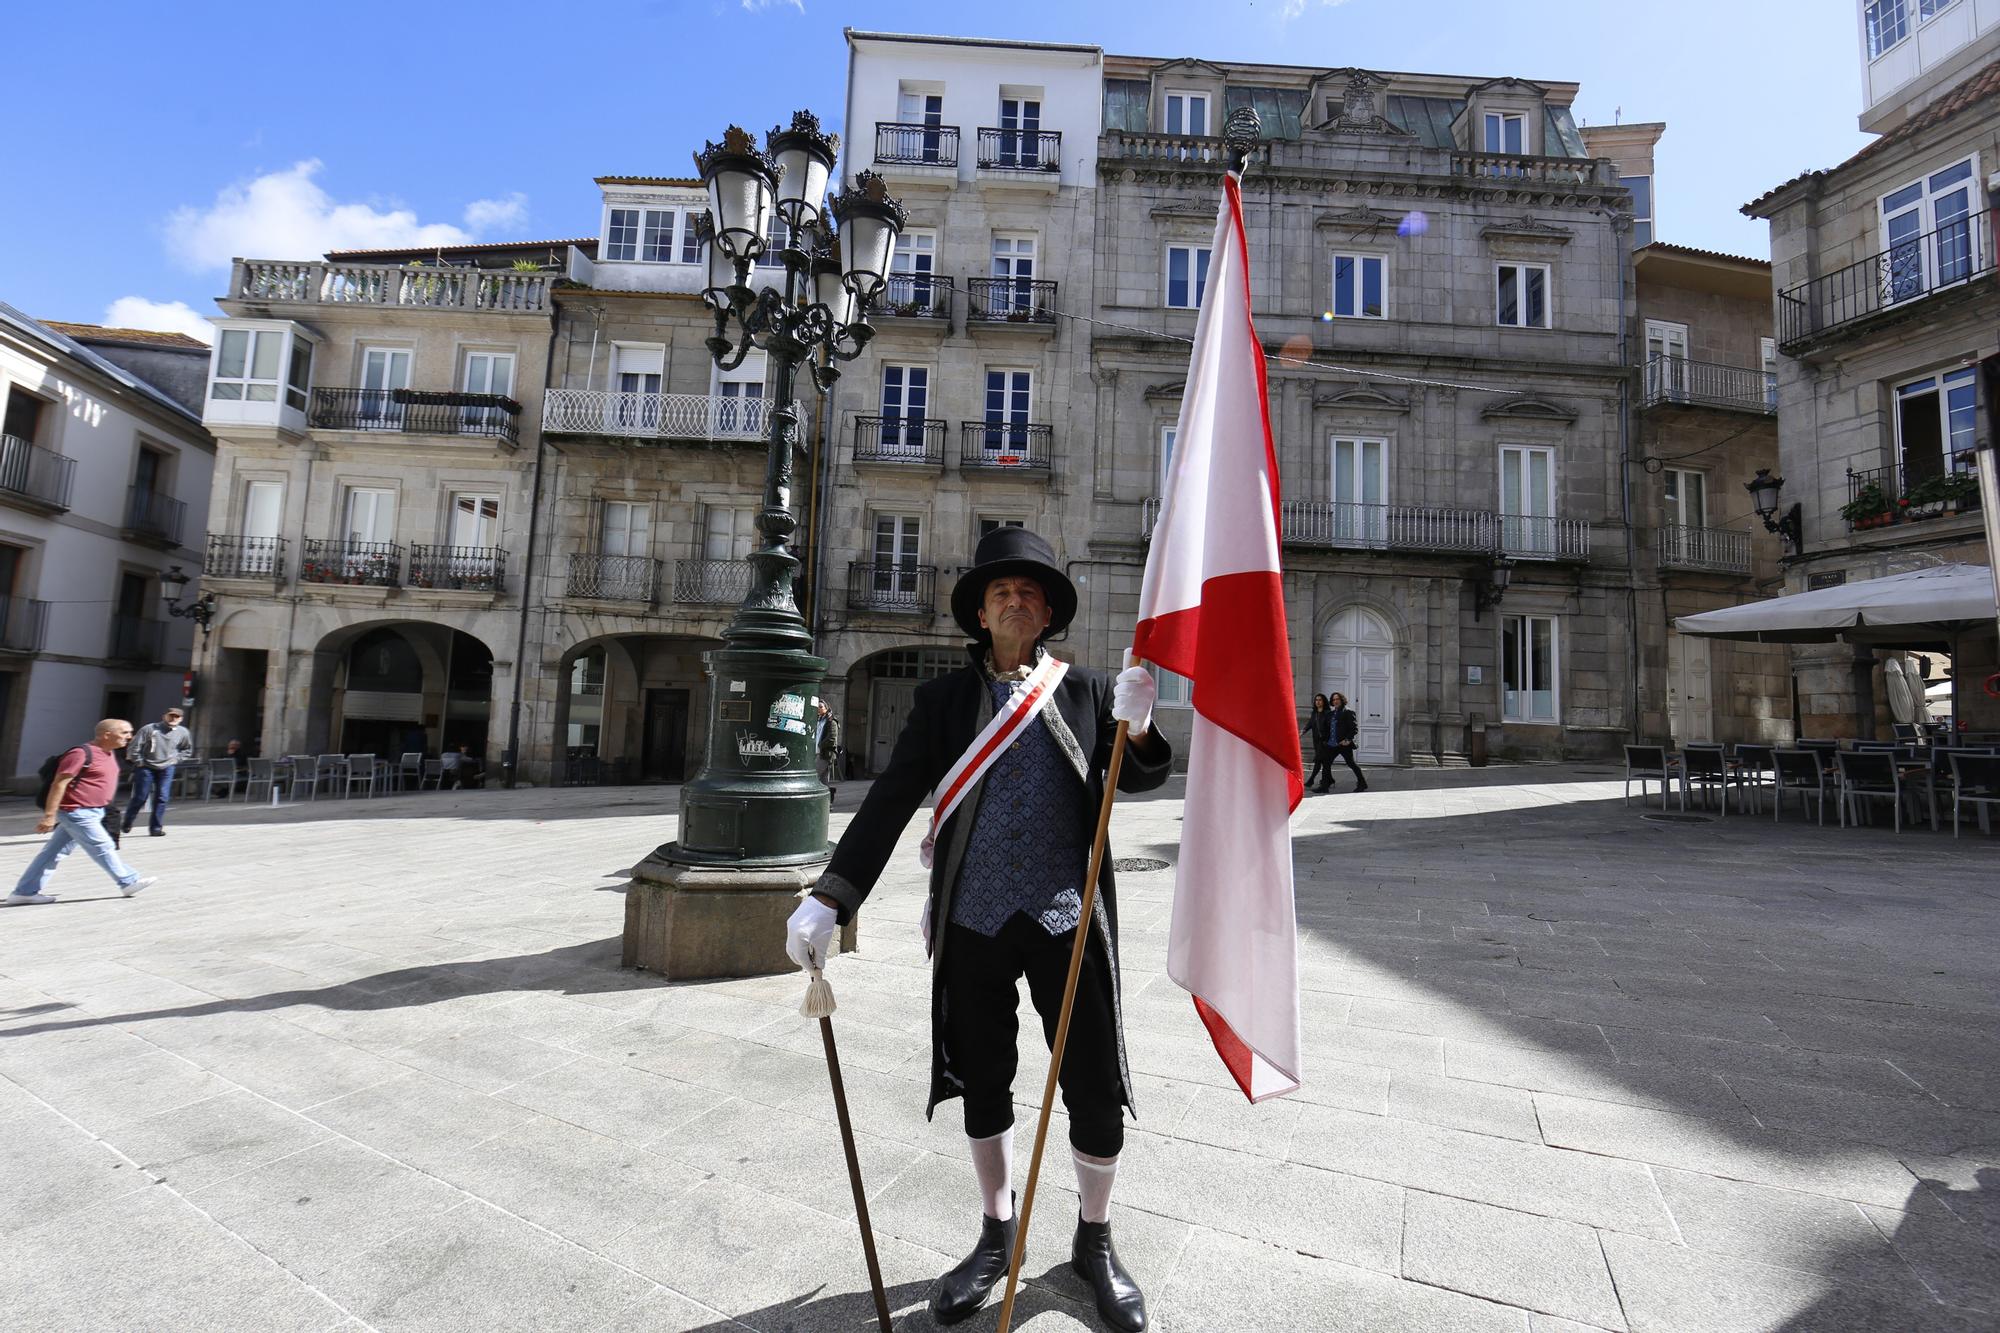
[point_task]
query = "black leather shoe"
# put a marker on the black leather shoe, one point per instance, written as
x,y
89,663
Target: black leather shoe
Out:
x,y
965,1288
1120,1304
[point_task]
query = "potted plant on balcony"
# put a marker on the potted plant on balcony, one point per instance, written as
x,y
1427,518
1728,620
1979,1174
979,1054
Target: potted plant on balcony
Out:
x,y
1926,499
1870,508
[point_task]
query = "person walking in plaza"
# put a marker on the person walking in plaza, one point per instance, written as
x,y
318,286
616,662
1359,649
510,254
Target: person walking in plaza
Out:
x,y
1319,730
73,814
1346,727
154,752
1009,847
826,743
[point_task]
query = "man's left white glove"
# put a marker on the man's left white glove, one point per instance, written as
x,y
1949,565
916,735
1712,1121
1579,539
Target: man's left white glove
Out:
x,y
1132,698
809,932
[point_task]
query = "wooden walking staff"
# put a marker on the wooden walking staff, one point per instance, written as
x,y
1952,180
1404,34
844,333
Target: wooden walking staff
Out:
x,y
1062,1022
819,1004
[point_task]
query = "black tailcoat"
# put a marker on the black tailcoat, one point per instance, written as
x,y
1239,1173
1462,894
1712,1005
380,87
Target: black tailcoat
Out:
x,y
946,714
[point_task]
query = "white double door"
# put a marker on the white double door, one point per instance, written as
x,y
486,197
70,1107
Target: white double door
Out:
x,y
1357,658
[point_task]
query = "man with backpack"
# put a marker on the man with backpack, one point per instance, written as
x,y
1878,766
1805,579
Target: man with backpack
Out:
x,y
84,783
155,751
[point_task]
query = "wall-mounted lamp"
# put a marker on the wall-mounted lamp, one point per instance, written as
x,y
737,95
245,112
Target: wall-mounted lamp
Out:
x,y
173,584
1790,525
1487,594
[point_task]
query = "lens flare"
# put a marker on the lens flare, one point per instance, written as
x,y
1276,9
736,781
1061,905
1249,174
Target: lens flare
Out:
x,y
1413,224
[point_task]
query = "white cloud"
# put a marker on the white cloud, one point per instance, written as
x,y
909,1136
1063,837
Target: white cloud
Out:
x,y
759,6
486,216
136,312
287,215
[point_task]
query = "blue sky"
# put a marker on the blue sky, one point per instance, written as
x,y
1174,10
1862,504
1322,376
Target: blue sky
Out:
x,y
158,140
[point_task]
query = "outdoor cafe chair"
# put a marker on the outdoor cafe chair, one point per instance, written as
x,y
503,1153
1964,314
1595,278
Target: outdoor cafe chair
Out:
x,y
1799,771
410,770
1705,767
433,775
1756,773
1975,781
361,773
1864,777
1649,763
305,777
331,773
190,779
219,772
262,774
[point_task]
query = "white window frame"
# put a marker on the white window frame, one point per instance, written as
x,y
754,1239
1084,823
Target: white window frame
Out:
x,y
1534,528
1767,355
914,244
985,523
637,518
742,530
1199,260
1187,99
895,581
1524,637
1358,281
1521,270
248,386
381,495
1645,219
1175,690
1169,437
1488,121
1677,485
1872,14
1668,339
678,233
483,509
1356,520
1926,207
1939,384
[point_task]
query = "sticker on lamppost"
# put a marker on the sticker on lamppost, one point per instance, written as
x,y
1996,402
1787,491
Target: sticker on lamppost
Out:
x,y
788,713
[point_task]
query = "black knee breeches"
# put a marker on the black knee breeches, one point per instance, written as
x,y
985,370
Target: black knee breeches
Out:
x,y
981,994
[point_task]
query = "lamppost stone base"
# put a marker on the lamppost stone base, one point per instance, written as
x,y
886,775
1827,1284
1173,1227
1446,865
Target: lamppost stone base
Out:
x,y
686,921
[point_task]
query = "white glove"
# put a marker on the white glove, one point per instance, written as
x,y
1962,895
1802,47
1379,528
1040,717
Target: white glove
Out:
x,y
809,933
1132,698
924,926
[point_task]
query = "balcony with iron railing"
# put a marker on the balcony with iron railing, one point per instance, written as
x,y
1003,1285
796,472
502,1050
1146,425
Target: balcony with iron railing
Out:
x,y
417,412
696,418
919,296
892,588
613,578
1891,284
1417,529
137,640
1705,550
390,286
458,568
900,441
1677,381
152,517
712,582
1005,446
906,144
1888,496
1016,302
231,557
1542,537
358,564
1015,152
33,477
23,622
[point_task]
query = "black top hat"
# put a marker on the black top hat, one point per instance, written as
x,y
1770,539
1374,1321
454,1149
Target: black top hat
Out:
x,y
1005,551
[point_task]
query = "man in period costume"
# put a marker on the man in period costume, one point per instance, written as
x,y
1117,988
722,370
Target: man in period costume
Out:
x,y
1009,850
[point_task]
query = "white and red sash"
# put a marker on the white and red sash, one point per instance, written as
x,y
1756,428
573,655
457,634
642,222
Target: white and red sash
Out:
x,y
1028,699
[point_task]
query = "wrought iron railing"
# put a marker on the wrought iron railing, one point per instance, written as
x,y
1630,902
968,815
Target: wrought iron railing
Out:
x,y
1720,550
1540,537
42,477
614,578
1010,300
136,639
313,283
458,568
712,582
657,416
1005,446
1882,496
1573,171
1678,381
1020,150
1913,268
23,621
916,144
364,564
151,516
885,586
914,296
245,557
917,441
1387,527
416,412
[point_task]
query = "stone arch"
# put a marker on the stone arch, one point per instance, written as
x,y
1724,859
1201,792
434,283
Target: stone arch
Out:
x,y
369,705
630,708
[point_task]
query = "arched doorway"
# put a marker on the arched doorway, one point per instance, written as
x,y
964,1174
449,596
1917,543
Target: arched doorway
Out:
x,y
398,686
886,686
1357,657
630,708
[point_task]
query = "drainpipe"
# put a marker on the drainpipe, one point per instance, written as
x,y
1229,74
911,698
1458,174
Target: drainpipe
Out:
x,y
1625,491
511,761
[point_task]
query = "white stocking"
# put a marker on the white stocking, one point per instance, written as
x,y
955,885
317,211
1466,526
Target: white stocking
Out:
x,y
1094,1176
993,1163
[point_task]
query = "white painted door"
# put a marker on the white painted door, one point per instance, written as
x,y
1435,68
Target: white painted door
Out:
x,y
1360,485
1666,361
1690,697
1358,658
888,704
263,512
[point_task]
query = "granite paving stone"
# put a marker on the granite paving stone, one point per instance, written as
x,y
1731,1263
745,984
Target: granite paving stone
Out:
x,y
1519,1259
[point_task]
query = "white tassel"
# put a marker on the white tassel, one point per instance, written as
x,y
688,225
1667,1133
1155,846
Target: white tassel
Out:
x,y
819,997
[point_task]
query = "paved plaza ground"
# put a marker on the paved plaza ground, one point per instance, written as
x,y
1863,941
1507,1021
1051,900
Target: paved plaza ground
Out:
x,y
372,1064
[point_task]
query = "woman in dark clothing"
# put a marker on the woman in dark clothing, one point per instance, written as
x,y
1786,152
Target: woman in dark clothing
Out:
x,y
1319,730
1345,728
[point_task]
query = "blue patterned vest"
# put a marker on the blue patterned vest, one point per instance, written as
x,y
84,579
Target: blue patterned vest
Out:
x,y
1030,841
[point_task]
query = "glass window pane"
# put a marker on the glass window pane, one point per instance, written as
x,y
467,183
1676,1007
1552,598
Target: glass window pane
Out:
x,y
263,393
1507,295
657,246
1538,296
225,391
1371,288
1343,284
232,355
1177,276
1200,273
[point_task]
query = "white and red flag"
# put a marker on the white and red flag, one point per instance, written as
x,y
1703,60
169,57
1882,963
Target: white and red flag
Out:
x,y
1213,609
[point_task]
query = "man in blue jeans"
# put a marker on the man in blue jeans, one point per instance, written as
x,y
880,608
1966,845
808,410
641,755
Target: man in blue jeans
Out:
x,y
154,752
86,780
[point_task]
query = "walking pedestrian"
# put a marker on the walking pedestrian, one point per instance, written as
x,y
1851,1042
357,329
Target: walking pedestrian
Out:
x,y
826,741
1319,730
85,782
154,752
1346,727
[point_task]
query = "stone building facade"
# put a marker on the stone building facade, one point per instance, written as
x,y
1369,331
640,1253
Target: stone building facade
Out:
x,y
1886,310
